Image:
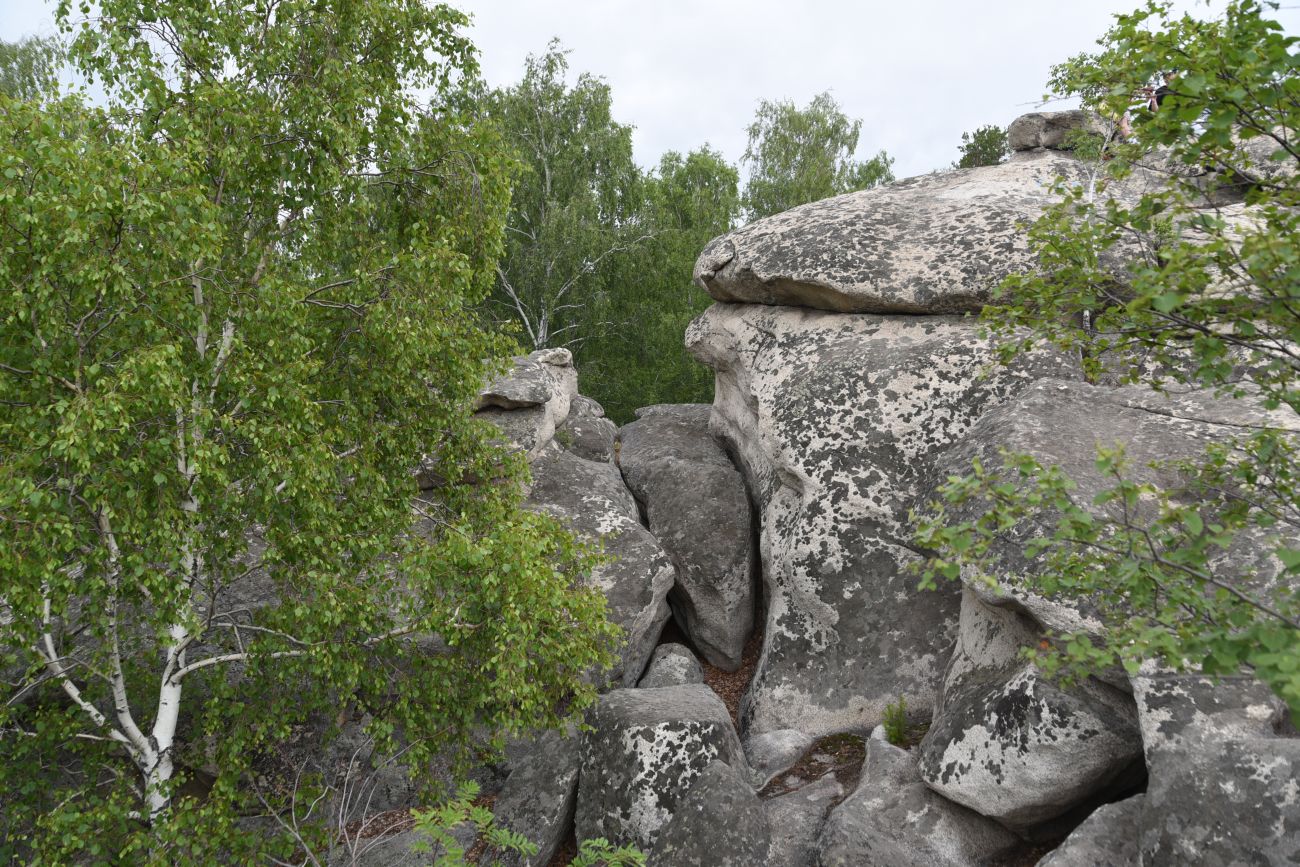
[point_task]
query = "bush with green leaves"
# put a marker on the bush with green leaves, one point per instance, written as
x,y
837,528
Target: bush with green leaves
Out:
x,y
986,146
1209,299
238,307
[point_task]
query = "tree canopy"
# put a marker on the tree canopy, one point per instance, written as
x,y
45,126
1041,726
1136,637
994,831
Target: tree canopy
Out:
x,y
239,308
798,155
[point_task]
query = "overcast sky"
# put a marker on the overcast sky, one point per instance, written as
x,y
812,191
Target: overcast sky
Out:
x,y
685,72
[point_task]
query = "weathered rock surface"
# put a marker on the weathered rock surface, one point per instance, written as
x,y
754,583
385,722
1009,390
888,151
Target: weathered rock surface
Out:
x,y
893,818
1051,129
773,753
1107,838
1221,779
397,850
586,432
937,243
796,820
672,665
530,401
695,504
720,823
1062,423
834,419
645,750
592,498
1012,745
1224,783
539,796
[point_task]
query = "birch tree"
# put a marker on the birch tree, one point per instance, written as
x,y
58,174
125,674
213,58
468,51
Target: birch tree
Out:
x,y
799,155
236,310
578,204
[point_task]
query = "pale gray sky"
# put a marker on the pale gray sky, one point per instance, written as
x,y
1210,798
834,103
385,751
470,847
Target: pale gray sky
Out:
x,y
685,72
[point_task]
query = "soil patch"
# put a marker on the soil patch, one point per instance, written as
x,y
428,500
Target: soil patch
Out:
x,y
841,755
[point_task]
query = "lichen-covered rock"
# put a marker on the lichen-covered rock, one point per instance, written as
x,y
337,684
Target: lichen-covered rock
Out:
x,y
534,380
591,498
772,753
644,751
671,665
893,818
1051,129
720,823
539,797
834,419
1221,784
1107,838
695,504
938,243
530,401
1012,745
796,820
1224,779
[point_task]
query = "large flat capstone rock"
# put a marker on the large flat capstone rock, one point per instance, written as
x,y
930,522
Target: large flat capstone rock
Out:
x,y
834,419
937,243
644,751
591,498
695,504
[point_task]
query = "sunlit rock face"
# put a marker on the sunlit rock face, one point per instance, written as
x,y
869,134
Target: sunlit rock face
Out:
x,y
834,418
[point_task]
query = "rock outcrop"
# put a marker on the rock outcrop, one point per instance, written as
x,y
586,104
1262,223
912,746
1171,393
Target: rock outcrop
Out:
x,y
530,401
935,244
1052,129
849,386
1224,769
644,751
893,818
834,419
671,665
539,797
695,504
720,823
592,499
1012,745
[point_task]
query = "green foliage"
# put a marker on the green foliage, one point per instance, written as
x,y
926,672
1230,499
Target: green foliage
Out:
x,y
236,308
800,155
986,146
435,826
1207,299
640,358
576,205
28,67
601,853
895,722
598,253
